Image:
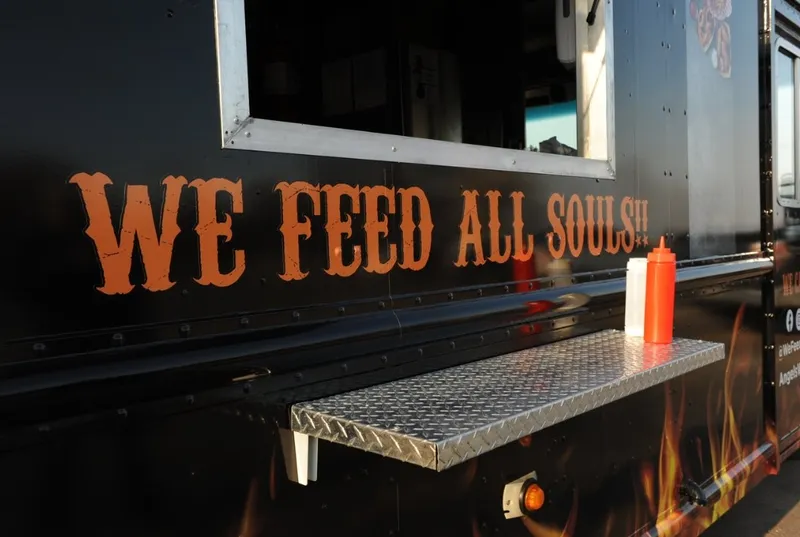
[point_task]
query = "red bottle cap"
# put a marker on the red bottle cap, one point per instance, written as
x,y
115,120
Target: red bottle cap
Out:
x,y
661,254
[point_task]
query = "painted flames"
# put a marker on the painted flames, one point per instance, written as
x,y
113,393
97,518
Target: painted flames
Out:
x,y
658,511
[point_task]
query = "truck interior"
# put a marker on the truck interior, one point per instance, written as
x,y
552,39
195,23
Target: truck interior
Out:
x,y
498,74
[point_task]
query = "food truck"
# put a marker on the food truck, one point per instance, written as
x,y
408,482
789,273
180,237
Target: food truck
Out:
x,y
297,269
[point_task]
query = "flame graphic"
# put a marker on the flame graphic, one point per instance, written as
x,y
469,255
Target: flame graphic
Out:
x,y
662,504
728,450
273,476
732,462
249,525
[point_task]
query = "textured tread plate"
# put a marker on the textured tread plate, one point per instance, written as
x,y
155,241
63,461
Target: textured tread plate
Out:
x,y
440,419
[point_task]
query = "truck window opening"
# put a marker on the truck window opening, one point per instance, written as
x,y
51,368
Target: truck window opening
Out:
x,y
498,74
785,105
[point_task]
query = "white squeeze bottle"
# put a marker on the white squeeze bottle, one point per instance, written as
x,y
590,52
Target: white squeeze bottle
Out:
x,y
635,291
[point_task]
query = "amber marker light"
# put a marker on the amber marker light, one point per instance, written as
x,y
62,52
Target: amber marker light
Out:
x,y
531,497
522,497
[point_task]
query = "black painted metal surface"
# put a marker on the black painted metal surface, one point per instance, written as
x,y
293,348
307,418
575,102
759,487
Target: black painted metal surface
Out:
x,y
130,90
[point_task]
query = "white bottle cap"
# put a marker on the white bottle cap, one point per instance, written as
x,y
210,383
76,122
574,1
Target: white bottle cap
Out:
x,y
635,291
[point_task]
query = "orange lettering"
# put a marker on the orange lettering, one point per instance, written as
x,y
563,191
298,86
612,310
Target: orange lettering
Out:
x,y
557,225
575,223
520,252
377,226
638,218
116,256
626,212
644,217
787,284
494,229
611,248
407,227
209,229
292,227
595,228
337,227
470,230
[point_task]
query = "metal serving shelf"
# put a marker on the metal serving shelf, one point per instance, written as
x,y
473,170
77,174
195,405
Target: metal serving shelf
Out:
x,y
440,419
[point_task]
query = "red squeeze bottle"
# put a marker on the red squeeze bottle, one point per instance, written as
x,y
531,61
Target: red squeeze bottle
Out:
x,y
659,302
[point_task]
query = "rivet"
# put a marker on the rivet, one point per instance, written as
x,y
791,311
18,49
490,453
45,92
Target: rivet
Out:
x,y
185,330
122,412
344,368
340,310
420,352
185,292
190,399
381,304
246,387
295,315
394,149
418,300
384,359
244,321
118,339
450,296
39,348
298,376
453,345
480,292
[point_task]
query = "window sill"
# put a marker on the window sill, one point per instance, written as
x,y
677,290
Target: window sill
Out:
x,y
282,137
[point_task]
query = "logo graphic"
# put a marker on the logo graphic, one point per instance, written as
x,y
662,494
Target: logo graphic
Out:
x,y
789,320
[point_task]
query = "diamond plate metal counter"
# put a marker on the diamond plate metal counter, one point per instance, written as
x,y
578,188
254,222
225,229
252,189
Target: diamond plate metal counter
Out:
x,y
441,419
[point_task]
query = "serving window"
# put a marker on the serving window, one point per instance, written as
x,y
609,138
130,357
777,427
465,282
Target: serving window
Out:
x,y
523,85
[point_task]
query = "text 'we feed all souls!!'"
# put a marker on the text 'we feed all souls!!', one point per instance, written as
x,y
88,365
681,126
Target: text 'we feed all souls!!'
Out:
x,y
577,225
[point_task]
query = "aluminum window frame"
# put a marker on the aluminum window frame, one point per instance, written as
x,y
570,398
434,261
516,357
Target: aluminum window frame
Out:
x,y
784,46
242,131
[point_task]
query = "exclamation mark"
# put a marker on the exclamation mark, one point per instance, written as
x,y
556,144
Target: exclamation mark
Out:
x,y
644,217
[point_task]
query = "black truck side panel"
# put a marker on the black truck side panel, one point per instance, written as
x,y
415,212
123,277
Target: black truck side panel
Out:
x,y
130,90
